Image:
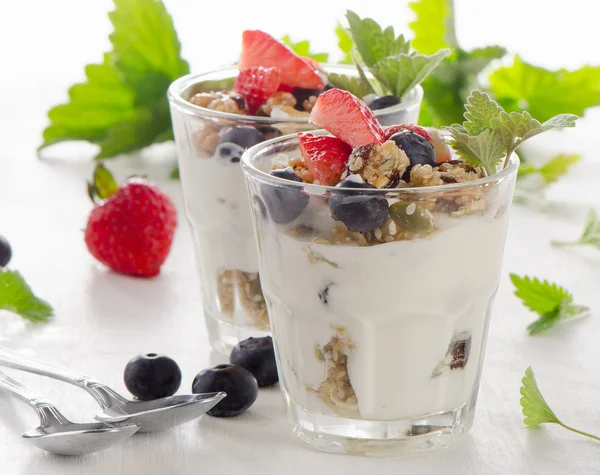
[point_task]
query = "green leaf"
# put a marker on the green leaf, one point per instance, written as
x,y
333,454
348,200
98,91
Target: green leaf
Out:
x,y
302,48
545,322
174,173
541,297
484,150
344,43
104,183
16,296
433,26
590,235
374,43
403,72
535,408
480,110
553,169
353,84
545,93
122,106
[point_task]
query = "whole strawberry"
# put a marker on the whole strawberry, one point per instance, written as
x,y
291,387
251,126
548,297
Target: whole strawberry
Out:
x,y
131,228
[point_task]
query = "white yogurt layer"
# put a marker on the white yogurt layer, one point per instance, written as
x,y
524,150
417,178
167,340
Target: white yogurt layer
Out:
x,y
400,303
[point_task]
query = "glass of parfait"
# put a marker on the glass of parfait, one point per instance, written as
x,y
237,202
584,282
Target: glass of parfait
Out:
x,y
380,288
212,128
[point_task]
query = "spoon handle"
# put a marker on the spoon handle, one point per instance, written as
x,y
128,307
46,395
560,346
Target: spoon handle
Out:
x,y
20,392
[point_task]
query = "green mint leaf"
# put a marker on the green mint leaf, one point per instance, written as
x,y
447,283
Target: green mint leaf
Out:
x,y
539,296
553,169
401,73
372,42
302,48
344,43
484,150
104,184
356,85
122,106
16,296
590,235
480,110
545,322
545,93
174,175
433,26
535,408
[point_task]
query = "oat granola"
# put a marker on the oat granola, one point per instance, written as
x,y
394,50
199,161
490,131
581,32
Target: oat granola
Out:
x,y
380,165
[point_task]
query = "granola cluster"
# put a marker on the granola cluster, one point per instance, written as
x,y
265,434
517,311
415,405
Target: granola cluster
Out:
x,y
336,389
230,102
245,287
454,171
206,140
380,165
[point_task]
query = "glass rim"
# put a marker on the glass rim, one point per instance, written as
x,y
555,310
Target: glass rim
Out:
x,y
252,172
180,85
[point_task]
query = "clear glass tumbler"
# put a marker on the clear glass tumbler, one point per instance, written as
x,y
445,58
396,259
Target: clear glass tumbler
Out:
x,y
217,205
380,335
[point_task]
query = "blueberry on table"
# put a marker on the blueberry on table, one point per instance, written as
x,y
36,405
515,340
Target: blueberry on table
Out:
x,y
152,376
383,102
257,356
239,384
359,212
242,135
5,251
418,149
284,204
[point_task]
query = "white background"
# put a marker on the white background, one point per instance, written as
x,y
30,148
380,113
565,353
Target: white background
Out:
x,y
104,319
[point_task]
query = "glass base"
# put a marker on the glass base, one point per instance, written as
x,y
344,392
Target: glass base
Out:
x,y
374,438
223,335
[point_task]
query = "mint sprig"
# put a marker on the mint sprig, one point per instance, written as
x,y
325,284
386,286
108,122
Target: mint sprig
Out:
x,y
536,410
122,106
489,133
17,297
590,235
550,301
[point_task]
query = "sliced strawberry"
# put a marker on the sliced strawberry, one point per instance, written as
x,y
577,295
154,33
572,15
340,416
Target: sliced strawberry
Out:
x,y
312,62
285,88
325,157
394,129
261,49
256,85
442,150
347,117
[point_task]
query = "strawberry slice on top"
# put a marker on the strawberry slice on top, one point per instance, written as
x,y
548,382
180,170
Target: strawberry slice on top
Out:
x,y
325,157
394,129
347,117
256,85
261,49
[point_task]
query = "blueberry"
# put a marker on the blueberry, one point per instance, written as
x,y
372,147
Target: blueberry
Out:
x,y
269,132
229,152
152,376
418,149
5,251
285,204
239,384
257,356
360,213
242,135
302,95
383,102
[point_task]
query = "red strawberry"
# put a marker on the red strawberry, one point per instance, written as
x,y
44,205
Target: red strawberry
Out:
x,y
132,228
261,49
312,62
347,117
394,129
325,157
256,85
442,150
285,88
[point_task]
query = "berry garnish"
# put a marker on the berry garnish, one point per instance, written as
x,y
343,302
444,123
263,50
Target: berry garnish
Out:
x,y
383,102
442,150
394,129
418,149
359,212
257,356
256,85
242,135
302,95
261,49
5,252
346,117
285,204
239,384
324,156
152,376
131,228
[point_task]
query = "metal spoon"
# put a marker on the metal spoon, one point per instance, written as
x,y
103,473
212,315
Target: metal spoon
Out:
x,y
58,435
159,414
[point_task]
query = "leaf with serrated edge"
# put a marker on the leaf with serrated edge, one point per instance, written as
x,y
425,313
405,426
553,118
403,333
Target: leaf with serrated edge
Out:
x,y
17,297
534,406
403,72
433,26
538,296
483,150
480,112
344,43
352,84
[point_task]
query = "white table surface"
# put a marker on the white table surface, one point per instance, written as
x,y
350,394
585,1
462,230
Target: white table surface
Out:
x,y
103,319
